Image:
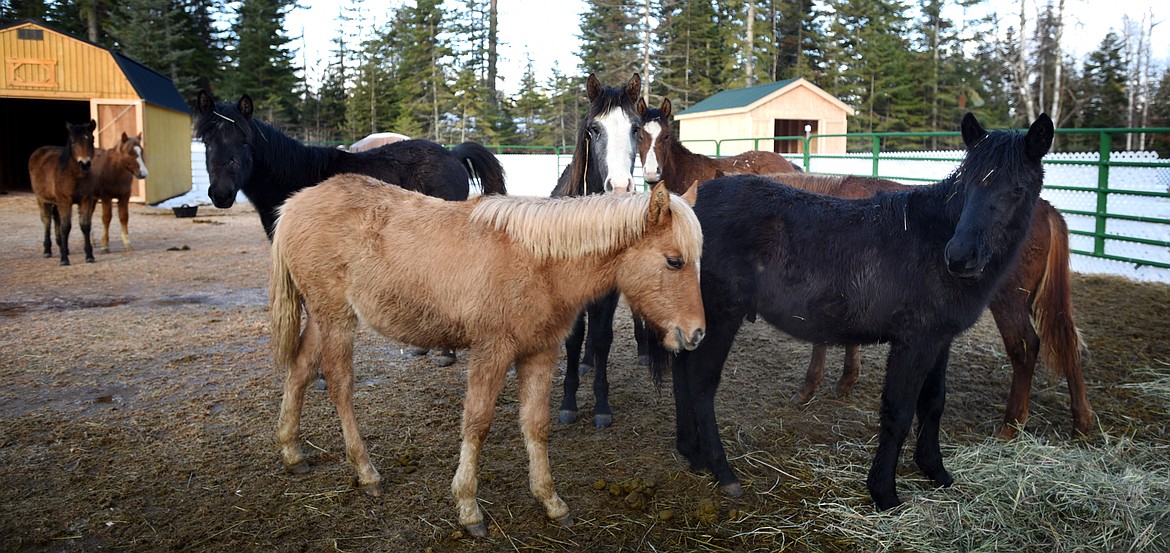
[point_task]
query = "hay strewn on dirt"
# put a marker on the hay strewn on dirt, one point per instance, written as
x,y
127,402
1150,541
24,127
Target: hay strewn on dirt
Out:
x,y
139,404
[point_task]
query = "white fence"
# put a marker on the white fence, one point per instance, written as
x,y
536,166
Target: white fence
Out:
x,y
536,175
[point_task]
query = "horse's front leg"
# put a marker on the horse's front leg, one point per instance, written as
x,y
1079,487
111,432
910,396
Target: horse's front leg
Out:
x,y
107,216
124,219
47,220
850,370
931,400
300,373
485,379
535,380
64,225
568,412
601,330
812,375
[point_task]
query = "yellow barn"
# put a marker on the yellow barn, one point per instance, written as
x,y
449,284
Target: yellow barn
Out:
x,y
792,107
50,78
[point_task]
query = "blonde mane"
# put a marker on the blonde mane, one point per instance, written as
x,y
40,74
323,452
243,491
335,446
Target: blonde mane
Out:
x,y
564,228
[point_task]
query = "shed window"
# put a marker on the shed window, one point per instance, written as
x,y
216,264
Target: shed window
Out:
x,y
30,34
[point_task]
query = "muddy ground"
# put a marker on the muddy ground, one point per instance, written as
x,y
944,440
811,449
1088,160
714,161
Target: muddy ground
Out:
x,y
138,404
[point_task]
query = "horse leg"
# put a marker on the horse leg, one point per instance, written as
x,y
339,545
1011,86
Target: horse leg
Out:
x,y
642,337
86,208
300,373
124,219
905,373
931,400
64,221
1022,345
107,216
812,375
850,370
535,382
485,379
601,329
699,378
46,210
568,413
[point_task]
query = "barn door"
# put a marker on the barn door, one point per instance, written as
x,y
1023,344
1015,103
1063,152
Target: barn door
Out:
x,y
792,127
115,117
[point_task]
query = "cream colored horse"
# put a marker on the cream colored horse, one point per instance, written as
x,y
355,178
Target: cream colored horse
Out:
x,y
513,274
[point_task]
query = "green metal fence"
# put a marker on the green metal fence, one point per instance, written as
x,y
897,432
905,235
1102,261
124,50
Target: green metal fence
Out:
x,y
1146,180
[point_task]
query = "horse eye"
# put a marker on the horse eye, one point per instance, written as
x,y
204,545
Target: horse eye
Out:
x,y
674,262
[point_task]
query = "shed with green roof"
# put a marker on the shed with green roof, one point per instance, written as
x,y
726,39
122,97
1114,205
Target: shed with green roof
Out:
x,y
788,108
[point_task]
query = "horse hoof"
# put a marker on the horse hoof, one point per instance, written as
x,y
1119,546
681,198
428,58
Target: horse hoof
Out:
x,y
321,384
302,467
732,490
800,399
90,260
373,489
414,351
477,530
602,420
64,262
445,360
568,417
644,360
105,250
47,255
565,521
583,368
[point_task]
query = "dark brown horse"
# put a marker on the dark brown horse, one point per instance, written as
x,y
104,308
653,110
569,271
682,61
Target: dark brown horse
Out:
x,y
60,178
1035,297
665,158
113,174
505,277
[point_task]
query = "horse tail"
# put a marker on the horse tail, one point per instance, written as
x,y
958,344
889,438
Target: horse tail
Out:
x,y
1061,342
483,166
284,301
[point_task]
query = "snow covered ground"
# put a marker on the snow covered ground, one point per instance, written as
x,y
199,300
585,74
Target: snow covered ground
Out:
x,y
535,175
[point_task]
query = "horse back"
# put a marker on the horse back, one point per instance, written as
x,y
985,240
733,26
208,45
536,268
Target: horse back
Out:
x,y
829,270
755,162
111,179
418,165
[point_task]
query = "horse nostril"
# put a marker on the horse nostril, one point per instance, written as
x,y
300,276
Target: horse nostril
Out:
x,y
697,336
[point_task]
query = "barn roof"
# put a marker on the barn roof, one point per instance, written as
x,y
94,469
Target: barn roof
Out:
x,y
737,98
151,86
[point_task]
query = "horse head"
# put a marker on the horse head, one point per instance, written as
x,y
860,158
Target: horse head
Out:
x,y
999,181
79,146
656,136
607,137
133,155
227,132
659,276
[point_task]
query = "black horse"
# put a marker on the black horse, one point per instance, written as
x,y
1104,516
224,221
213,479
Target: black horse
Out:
x,y
247,155
603,161
913,268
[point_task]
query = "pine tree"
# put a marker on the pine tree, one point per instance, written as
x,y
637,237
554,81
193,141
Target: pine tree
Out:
x,y
152,33
610,41
688,66
17,10
1104,84
262,61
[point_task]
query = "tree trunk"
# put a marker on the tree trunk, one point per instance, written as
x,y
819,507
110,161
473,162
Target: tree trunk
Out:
x,y
1057,80
645,57
749,47
493,55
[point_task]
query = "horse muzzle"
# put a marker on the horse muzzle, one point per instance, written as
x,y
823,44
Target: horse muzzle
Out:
x,y
220,198
691,342
964,264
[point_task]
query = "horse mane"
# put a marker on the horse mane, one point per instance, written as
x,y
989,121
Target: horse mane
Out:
x,y
269,144
816,183
563,228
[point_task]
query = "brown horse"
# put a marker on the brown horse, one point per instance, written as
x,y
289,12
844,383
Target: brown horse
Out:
x,y
1034,297
113,173
512,276
60,178
665,158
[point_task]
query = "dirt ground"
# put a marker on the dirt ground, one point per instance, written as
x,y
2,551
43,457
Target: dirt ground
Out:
x,y
138,408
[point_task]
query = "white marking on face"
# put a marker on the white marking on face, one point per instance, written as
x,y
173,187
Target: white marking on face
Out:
x,y
650,167
619,151
142,172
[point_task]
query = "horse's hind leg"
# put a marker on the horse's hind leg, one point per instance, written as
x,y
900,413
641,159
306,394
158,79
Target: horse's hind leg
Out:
x,y
568,412
300,373
850,370
535,379
812,376
64,220
485,379
337,366
1022,345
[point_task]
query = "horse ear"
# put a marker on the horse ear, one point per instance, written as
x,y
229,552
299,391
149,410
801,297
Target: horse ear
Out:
x,y
659,211
245,106
205,102
1039,138
665,107
592,87
92,125
972,130
125,136
634,86
692,193
641,107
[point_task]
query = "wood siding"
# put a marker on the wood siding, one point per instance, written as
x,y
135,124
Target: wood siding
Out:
x,y
58,67
167,139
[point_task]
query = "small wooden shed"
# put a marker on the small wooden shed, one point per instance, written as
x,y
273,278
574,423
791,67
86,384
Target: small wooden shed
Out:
x,y
791,107
51,78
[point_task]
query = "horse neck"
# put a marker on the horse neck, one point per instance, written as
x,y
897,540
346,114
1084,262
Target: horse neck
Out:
x,y
284,163
681,167
581,280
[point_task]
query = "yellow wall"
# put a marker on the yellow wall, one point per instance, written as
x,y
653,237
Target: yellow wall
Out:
x,y
168,153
